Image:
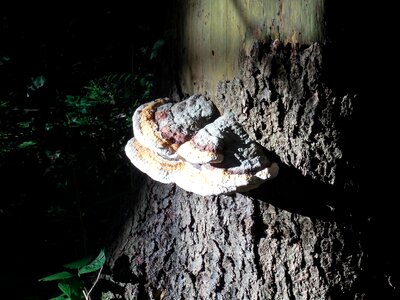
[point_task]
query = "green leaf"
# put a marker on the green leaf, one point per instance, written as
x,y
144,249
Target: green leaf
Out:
x,y
95,265
70,98
72,287
37,82
66,288
27,144
156,48
113,76
79,263
4,104
57,276
143,81
72,101
24,124
128,77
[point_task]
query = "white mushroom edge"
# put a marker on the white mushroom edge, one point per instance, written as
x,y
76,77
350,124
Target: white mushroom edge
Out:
x,y
203,165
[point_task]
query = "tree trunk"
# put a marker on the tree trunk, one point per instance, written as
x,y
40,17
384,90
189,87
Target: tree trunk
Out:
x,y
184,246
296,236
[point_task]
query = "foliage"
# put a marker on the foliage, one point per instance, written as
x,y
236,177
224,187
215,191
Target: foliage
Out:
x,y
76,146
71,282
65,115
156,48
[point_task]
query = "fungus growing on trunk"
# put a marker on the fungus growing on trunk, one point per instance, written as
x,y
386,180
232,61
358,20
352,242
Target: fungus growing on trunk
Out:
x,y
163,126
185,143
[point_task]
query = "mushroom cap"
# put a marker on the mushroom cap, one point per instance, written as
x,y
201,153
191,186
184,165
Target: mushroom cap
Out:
x,y
203,179
151,163
146,131
163,126
217,158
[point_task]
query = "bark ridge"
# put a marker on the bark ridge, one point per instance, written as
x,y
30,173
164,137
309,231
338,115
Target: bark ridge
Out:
x,y
182,246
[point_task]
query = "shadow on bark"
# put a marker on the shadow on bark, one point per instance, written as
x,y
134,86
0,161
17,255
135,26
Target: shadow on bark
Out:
x,y
376,223
296,193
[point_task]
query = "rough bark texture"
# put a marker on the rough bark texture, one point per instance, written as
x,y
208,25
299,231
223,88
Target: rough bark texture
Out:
x,y
183,246
280,241
284,104
211,34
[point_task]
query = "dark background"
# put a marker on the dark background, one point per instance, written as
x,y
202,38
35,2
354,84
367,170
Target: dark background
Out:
x,y
59,197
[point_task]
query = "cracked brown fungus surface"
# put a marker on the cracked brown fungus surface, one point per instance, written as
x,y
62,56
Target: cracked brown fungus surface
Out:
x,y
188,144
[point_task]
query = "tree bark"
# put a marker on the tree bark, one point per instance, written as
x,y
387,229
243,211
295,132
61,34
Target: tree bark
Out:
x,y
183,246
283,240
297,236
285,105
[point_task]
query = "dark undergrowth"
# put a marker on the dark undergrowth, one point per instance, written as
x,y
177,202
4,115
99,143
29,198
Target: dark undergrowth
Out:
x,y
70,80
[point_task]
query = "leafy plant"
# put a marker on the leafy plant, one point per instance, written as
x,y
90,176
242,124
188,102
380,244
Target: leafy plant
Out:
x,y
71,282
27,144
66,111
156,48
36,83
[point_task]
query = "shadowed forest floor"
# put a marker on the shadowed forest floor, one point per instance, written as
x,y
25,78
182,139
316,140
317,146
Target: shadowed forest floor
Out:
x,y
70,80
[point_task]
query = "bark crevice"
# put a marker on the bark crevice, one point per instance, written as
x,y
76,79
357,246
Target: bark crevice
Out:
x,y
280,241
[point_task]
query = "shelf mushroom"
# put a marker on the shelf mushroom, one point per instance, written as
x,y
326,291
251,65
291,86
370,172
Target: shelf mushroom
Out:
x,y
163,126
185,143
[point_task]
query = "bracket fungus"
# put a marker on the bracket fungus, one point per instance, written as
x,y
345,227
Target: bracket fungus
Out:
x,y
189,144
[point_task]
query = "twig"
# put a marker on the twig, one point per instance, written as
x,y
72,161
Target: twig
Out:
x,y
94,283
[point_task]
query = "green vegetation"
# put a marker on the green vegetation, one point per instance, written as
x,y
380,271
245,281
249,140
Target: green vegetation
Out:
x,y
66,102
71,282
77,147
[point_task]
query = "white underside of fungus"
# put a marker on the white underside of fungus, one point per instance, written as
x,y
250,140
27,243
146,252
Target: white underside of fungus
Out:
x,y
188,144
